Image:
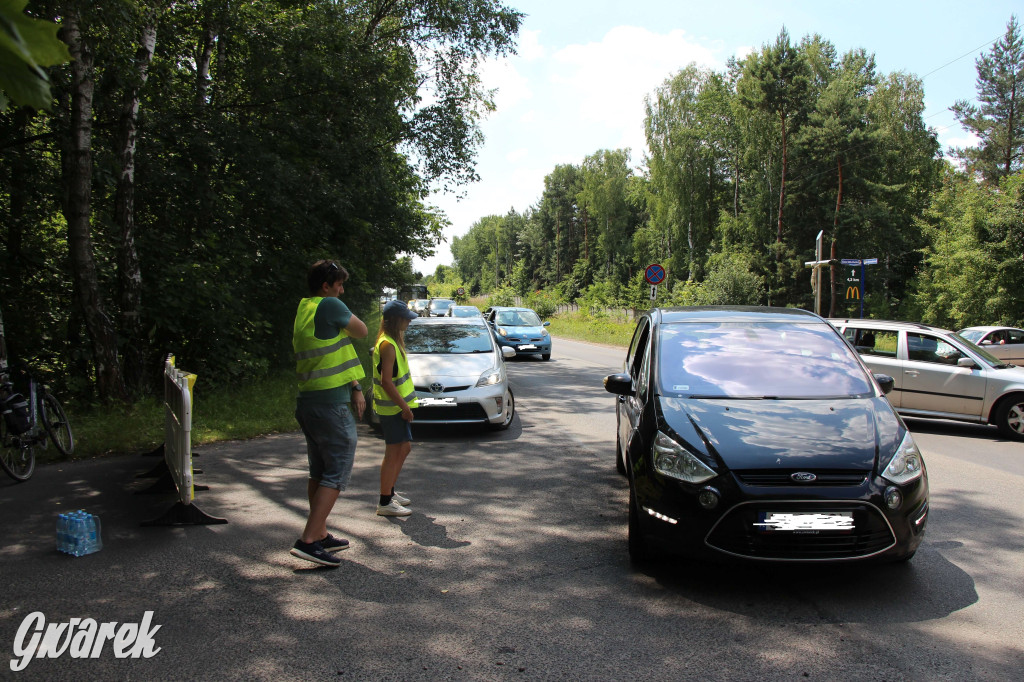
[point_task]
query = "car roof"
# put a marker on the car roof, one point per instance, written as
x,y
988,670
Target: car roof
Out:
x,y
467,307
732,314
511,307
445,321
885,324
987,329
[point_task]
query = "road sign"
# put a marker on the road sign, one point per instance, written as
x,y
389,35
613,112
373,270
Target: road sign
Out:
x,y
460,292
654,274
852,261
654,292
870,261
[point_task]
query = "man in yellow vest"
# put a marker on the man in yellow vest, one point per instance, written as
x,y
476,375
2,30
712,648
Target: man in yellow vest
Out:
x,y
328,373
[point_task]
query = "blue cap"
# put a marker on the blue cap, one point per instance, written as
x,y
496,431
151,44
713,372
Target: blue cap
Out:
x,y
398,309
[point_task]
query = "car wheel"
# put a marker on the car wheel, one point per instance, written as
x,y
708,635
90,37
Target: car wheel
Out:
x,y
510,413
1010,417
639,550
545,356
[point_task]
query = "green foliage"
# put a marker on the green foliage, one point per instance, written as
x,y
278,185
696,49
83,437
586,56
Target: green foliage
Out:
x,y
544,303
600,329
26,46
503,296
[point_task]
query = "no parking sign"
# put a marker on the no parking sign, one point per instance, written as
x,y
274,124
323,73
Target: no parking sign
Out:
x,y
654,275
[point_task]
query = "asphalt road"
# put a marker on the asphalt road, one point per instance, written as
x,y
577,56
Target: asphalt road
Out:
x,y
513,567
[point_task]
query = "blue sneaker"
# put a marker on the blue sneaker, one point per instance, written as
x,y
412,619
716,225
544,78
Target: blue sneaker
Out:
x,y
315,552
333,544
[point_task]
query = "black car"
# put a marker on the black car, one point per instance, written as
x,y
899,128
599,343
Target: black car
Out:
x,y
759,433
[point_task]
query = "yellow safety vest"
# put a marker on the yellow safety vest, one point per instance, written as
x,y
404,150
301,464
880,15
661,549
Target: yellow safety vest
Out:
x,y
321,364
382,403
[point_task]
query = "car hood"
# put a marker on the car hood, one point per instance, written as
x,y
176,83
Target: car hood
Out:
x,y
787,434
521,330
429,366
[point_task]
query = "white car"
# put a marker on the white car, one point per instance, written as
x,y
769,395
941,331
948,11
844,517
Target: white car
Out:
x,y
1006,343
939,374
458,372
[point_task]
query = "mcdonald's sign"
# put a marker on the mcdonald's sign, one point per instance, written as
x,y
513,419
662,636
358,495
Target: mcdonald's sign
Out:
x,y
852,292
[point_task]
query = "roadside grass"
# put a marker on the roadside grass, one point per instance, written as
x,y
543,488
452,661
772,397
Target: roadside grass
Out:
x,y
261,407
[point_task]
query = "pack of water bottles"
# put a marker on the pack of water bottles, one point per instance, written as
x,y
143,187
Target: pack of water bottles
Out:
x,y
79,533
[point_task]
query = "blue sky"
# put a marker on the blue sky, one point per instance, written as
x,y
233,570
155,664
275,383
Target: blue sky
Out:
x,y
583,69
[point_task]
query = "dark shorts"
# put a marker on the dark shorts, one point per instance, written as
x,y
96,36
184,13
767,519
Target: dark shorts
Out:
x,y
330,432
396,430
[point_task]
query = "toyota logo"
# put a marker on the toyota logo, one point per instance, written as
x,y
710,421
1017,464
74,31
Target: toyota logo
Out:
x,y
803,477
436,388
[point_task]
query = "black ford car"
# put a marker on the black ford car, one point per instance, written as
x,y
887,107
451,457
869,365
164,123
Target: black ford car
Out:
x,y
759,433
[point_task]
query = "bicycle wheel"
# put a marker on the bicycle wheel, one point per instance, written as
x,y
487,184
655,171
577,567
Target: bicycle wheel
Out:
x,y
19,462
57,425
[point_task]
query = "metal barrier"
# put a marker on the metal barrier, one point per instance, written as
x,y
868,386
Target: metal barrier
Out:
x,y
176,472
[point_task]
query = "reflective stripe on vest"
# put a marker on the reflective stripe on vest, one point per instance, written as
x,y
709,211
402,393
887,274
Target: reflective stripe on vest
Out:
x,y
322,364
382,403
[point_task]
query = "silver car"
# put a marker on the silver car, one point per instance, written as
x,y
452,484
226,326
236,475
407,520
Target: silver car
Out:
x,y
458,372
1006,343
940,374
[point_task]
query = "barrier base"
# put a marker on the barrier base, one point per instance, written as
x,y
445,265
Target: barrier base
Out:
x,y
184,515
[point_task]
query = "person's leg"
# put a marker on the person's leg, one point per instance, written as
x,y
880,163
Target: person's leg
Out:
x,y
394,459
319,509
334,431
311,490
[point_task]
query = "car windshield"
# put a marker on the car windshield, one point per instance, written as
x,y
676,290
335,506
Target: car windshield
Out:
x,y
441,303
972,335
517,318
447,338
459,311
757,360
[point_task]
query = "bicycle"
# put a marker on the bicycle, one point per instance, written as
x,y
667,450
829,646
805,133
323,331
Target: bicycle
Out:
x,y
20,430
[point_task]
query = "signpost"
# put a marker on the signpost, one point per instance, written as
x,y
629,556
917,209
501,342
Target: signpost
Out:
x,y
654,275
855,282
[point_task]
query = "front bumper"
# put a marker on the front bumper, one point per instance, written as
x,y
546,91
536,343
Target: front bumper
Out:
x,y
526,345
474,405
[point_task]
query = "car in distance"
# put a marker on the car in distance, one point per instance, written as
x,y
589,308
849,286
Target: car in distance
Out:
x,y
520,329
758,433
458,373
938,374
463,311
1006,343
438,307
419,305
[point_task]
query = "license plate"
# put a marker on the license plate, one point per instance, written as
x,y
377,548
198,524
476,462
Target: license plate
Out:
x,y
437,402
804,522
528,346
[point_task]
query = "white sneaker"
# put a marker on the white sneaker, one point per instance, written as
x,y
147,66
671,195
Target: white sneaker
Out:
x,y
393,509
400,499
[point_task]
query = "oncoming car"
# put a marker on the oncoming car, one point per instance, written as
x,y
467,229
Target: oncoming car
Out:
x,y
758,433
464,311
940,375
419,305
458,372
520,329
1005,343
438,307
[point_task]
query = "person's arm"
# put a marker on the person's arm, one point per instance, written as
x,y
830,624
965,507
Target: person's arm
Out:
x,y
358,399
356,328
387,379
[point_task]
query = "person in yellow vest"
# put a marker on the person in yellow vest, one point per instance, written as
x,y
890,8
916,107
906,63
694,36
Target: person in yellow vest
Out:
x,y
328,373
393,400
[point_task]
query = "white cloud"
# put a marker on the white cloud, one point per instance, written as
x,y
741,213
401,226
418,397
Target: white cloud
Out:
x,y
517,155
529,47
512,87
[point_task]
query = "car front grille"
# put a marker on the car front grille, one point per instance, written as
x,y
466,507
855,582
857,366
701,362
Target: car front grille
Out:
x,y
781,477
462,412
425,390
735,533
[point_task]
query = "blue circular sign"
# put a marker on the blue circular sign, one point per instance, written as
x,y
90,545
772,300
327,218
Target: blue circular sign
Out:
x,y
655,274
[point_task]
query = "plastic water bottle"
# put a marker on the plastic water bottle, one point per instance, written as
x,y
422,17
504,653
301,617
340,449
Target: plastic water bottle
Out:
x,y
79,533
62,533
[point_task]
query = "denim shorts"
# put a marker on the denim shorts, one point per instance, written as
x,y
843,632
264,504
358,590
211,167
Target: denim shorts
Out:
x,y
330,432
396,430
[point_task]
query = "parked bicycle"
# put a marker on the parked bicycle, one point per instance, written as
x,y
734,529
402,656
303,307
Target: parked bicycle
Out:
x,y
28,423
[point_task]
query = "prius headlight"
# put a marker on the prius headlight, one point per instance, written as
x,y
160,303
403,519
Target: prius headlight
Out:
x,y
491,377
906,463
502,331
671,459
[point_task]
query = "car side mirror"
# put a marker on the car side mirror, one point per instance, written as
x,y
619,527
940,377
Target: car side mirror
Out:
x,y
547,324
885,382
507,352
619,384
966,362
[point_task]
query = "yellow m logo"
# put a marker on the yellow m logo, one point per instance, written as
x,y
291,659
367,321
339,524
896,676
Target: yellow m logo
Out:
x,y
852,292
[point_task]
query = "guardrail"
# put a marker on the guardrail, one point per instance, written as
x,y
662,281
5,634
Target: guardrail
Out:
x,y
175,472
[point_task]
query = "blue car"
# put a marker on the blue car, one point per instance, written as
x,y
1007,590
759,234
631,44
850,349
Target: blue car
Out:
x,y
521,330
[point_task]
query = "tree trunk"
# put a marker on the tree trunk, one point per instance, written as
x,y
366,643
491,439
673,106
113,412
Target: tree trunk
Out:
x,y
124,212
77,169
835,231
782,186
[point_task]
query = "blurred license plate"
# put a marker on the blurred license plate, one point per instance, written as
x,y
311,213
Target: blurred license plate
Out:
x,y
804,522
527,346
437,402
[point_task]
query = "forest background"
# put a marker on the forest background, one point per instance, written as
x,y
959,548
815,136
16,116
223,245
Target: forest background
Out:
x,y
197,156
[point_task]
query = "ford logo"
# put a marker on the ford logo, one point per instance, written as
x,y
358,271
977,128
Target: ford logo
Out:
x,y
803,477
436,388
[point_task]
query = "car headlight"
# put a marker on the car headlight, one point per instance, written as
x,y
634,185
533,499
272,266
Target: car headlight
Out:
x,y
543,332
906,463
501,331
489,378
671,459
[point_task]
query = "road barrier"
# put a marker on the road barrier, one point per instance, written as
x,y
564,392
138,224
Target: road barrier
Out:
x,y
175,473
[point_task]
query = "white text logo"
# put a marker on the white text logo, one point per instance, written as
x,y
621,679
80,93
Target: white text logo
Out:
x,y
81,638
